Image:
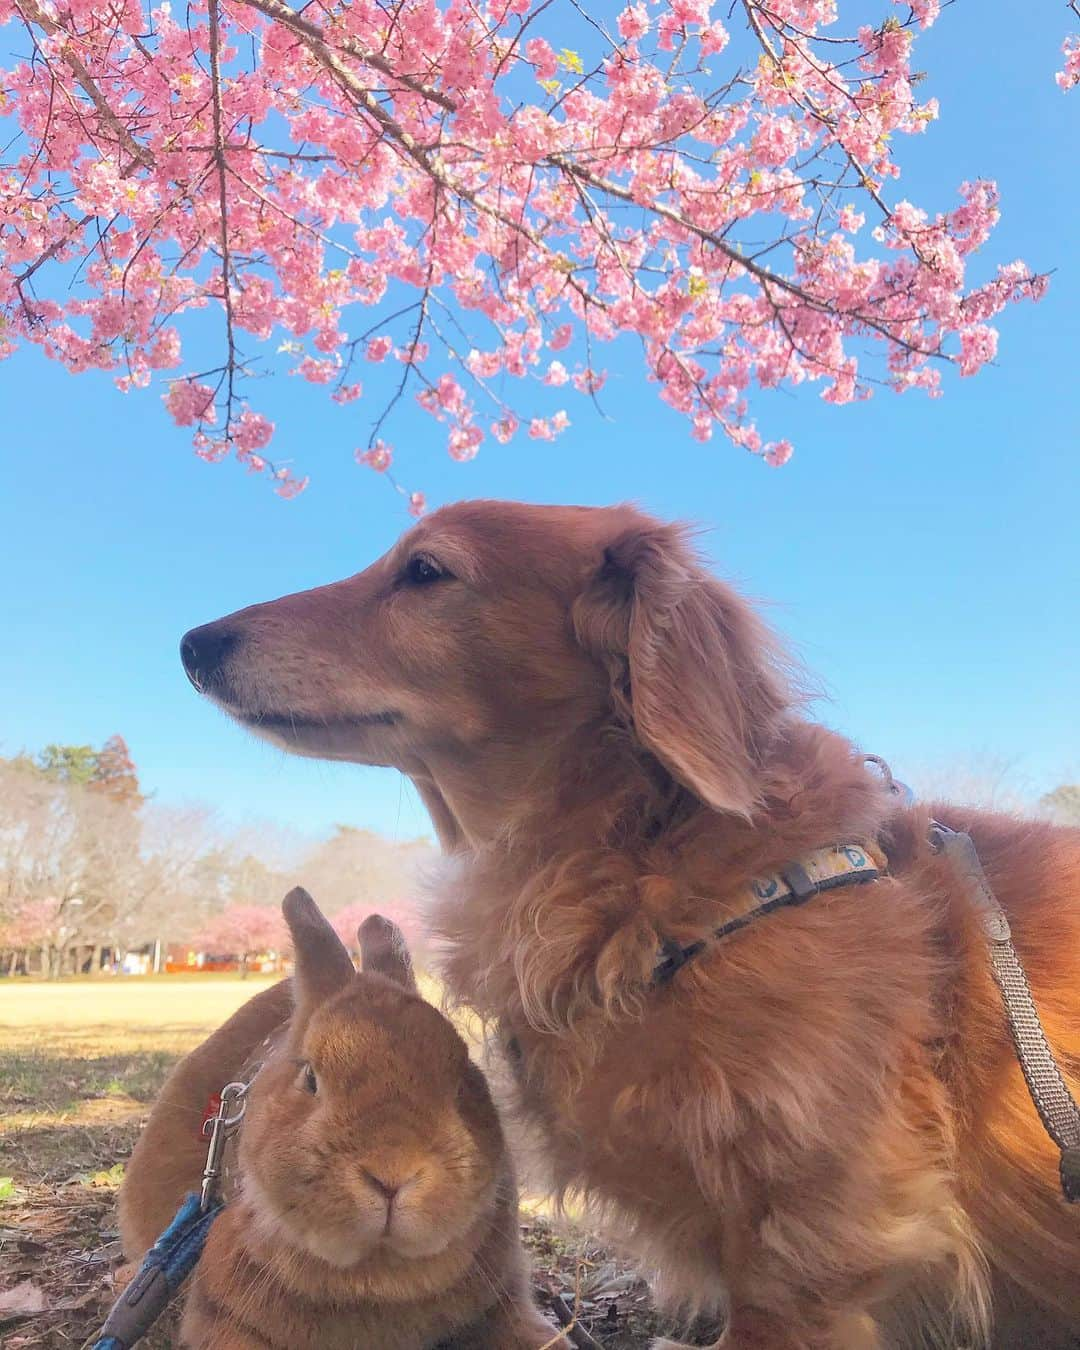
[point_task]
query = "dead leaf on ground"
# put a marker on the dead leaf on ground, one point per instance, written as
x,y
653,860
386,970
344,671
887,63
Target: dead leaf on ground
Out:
x,y
23,1298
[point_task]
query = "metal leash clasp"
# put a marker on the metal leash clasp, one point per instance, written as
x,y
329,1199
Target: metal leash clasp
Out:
x,y
221,1128
895,787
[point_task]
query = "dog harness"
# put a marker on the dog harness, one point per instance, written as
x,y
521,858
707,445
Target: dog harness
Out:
x,y
854,864
827,869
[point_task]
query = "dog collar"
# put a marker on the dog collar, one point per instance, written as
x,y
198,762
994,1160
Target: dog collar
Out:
x,y
825,869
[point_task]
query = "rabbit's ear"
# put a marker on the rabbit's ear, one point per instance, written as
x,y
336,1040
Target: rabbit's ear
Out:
x,y
323,966
383,950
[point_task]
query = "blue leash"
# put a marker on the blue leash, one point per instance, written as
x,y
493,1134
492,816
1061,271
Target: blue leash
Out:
x,y
174,1255
165,1267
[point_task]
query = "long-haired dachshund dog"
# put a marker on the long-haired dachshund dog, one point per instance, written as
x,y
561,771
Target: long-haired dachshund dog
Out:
x,y
818,1124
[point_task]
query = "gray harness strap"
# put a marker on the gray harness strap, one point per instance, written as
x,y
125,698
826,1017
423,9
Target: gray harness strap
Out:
x,y
1055,1104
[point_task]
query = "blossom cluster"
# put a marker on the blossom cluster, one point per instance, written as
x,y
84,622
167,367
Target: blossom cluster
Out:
x,y
1069,77
486,204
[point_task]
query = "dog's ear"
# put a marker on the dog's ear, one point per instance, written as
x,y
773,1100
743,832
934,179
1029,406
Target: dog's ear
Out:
x,y
692,669
323,966
383,950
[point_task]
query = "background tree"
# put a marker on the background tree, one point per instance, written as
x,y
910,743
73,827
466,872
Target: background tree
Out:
x,y
73,764
109,770
455,197
404,912
115,775
86,869
244,932
1063,804
361,868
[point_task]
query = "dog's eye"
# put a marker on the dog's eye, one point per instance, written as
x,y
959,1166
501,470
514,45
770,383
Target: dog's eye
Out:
x,y
423,570
308,1081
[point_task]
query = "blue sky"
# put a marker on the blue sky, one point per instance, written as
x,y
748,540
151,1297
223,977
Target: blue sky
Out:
x,y
921,556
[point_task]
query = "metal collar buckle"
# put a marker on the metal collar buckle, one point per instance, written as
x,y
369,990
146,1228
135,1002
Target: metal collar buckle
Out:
x,y
221,1128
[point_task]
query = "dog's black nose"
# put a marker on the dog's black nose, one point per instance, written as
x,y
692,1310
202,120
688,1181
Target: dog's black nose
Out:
x,y
203,652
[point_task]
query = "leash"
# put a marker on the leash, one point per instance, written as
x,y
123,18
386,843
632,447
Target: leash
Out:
x,y
174,1255
1057,1107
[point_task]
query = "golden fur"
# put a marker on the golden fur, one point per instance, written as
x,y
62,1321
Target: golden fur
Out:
x,y
371,1199
819,1125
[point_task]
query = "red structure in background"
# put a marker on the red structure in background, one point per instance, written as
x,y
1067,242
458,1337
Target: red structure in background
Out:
x,y
184,960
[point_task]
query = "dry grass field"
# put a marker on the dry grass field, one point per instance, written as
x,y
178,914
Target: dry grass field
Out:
x,y
80,1064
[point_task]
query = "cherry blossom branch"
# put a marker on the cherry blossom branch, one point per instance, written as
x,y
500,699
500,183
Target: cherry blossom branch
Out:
x,y
296,23
632,192
807,102
32,13
316,40
223,206
21,278
318,46
766,276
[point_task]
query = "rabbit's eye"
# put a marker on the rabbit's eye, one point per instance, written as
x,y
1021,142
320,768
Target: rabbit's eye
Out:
x,y
308,1080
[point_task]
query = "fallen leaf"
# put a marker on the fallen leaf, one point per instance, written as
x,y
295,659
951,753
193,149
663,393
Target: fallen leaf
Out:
x,y
25,1297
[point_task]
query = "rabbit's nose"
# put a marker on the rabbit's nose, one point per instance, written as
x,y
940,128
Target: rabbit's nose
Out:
x,y
387,1187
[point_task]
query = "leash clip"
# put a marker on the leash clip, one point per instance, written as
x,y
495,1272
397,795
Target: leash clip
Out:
x,y
221,1127
959,849
895,787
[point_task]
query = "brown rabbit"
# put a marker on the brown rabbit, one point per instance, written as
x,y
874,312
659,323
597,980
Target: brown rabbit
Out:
x,y
370,1200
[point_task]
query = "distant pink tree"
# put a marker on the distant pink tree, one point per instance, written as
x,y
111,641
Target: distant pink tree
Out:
x,y
243,931
402,912
35,923
42,924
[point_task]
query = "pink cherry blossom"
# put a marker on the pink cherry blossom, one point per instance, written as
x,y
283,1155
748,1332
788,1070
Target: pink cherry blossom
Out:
x,y
714,39
189,402
1069,77
633,22
464,442
542,57
977,346
925,11
252,432
540,429
378,456
379,348
778,453
474,199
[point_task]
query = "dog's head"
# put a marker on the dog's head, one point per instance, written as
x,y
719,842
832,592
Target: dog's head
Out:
x,y
492,627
